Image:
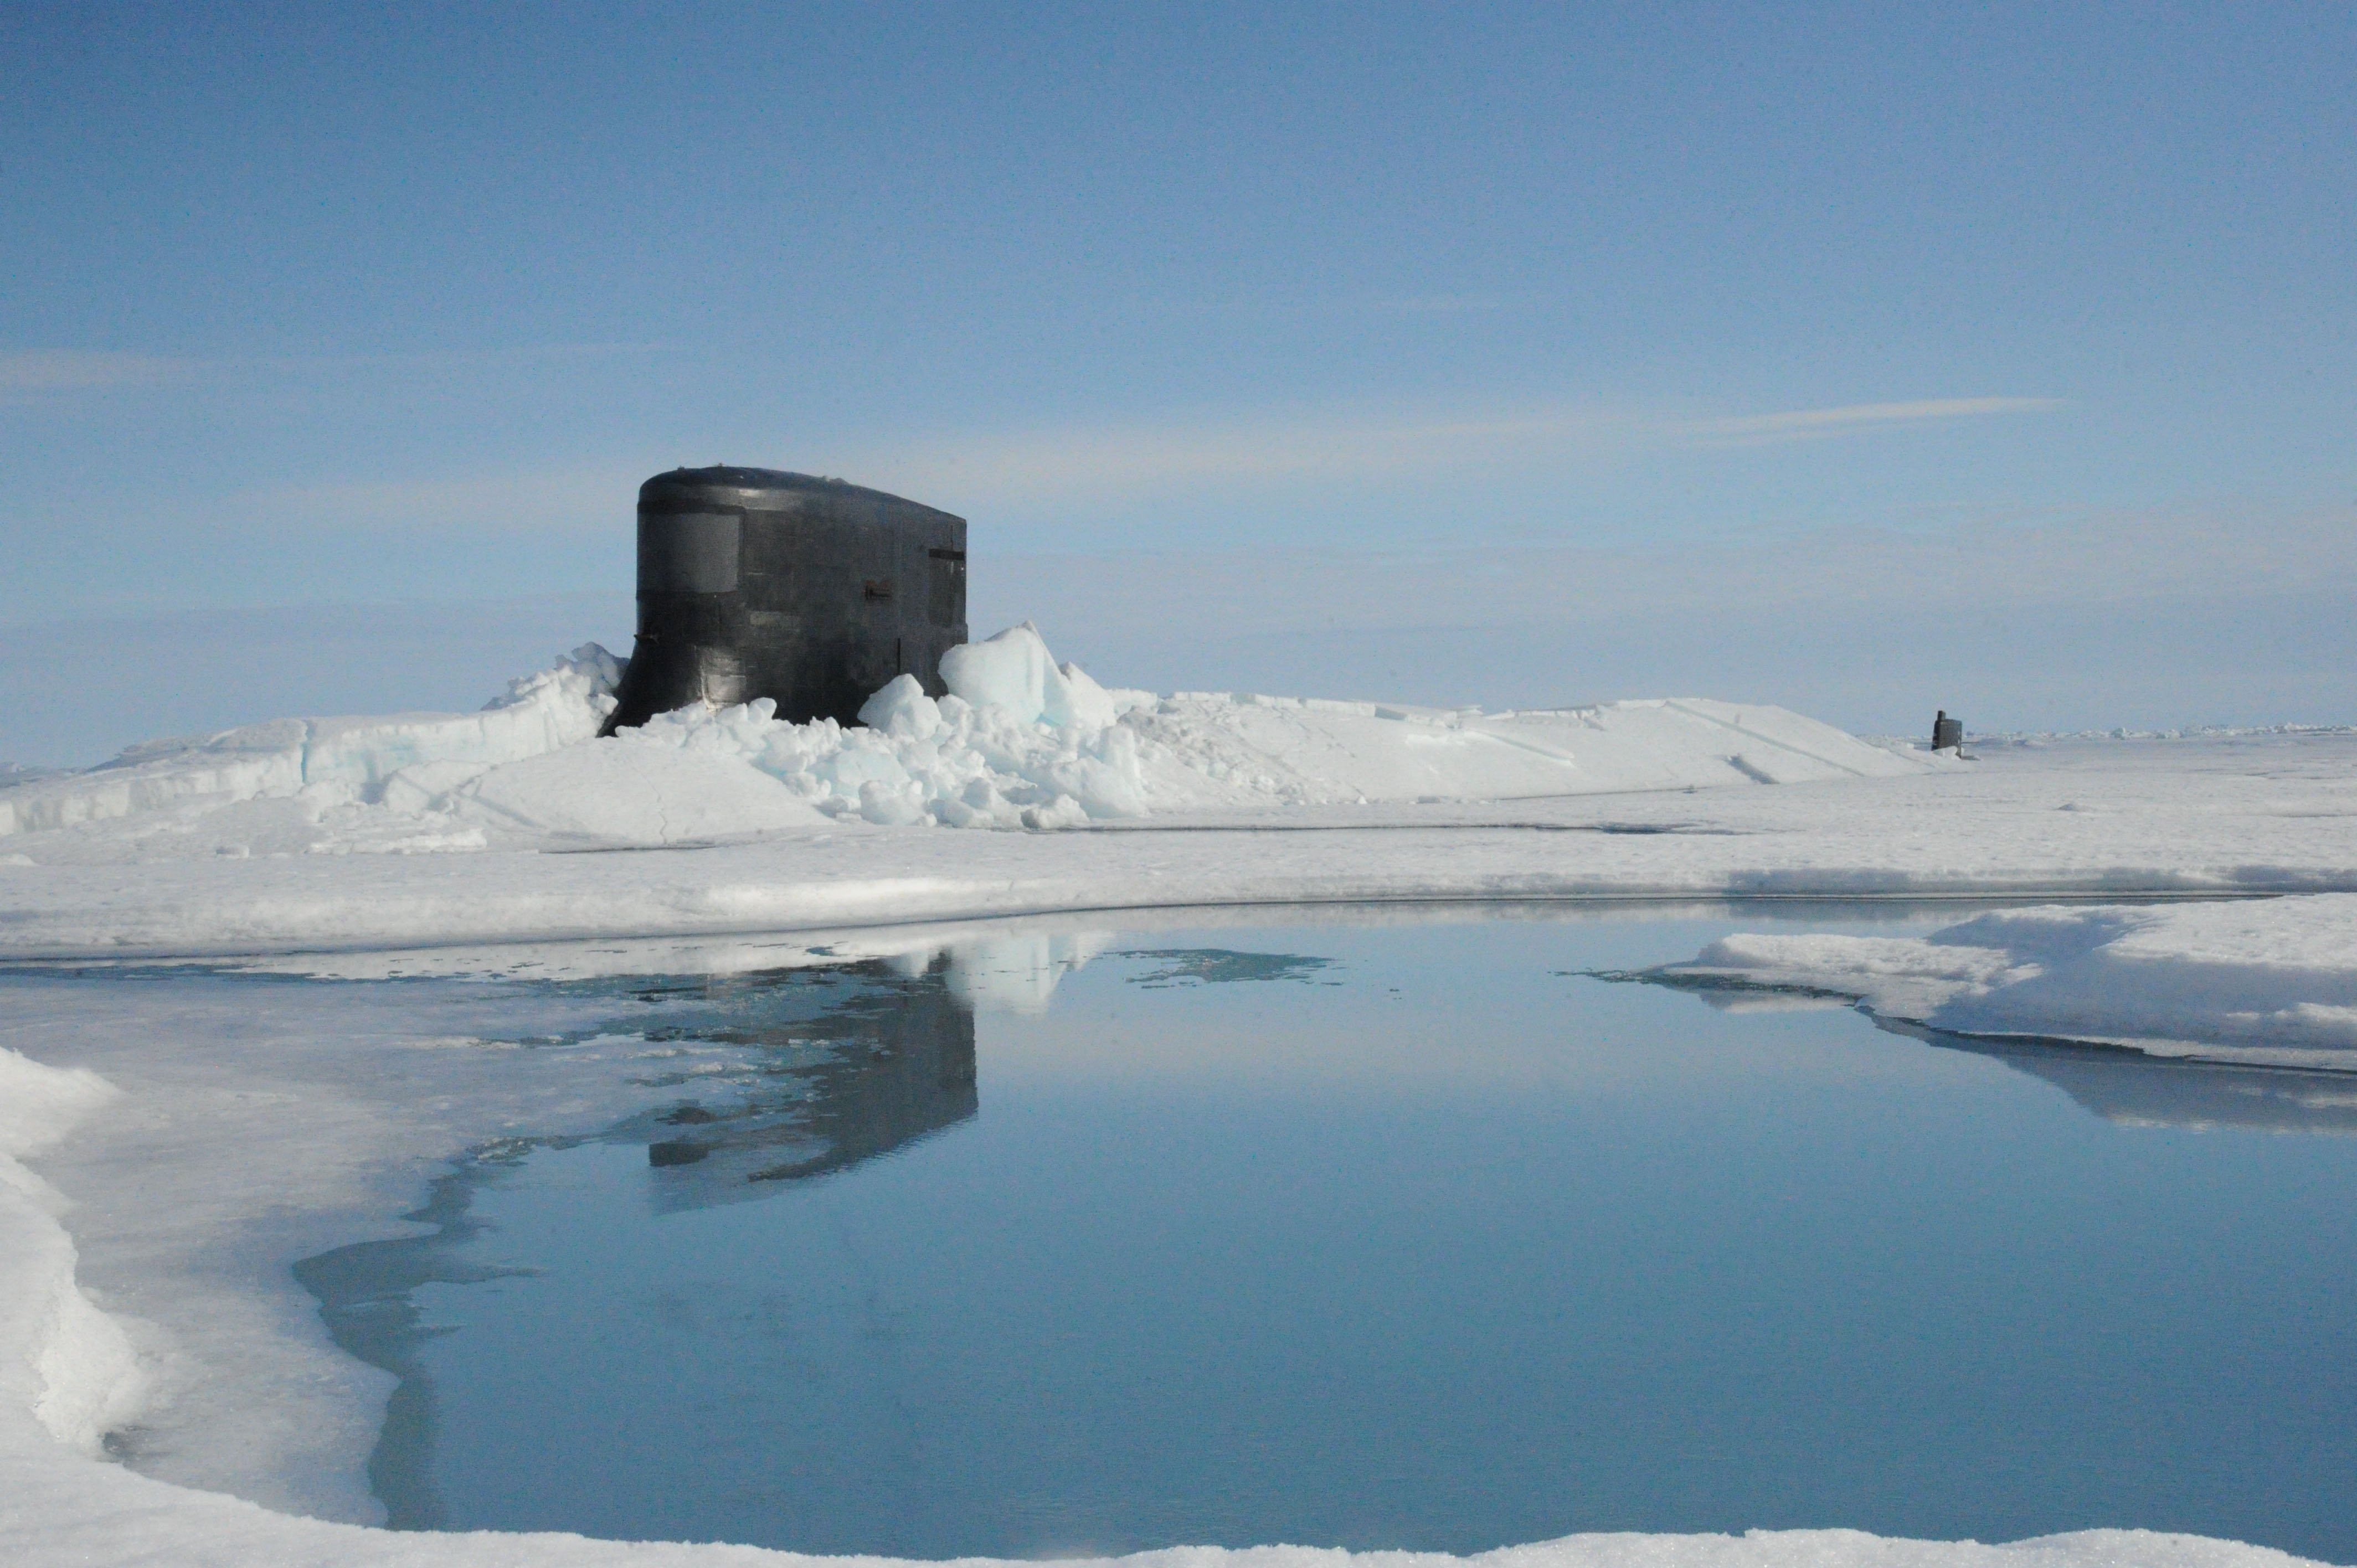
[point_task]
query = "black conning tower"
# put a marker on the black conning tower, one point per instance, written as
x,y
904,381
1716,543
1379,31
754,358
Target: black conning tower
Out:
x,y
812,592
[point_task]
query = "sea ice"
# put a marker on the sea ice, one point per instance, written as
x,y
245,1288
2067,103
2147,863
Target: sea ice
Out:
x,y
2268,981
417,830
1020,741
331,758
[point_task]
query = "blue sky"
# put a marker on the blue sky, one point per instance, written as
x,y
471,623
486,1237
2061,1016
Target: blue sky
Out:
x,y
323,305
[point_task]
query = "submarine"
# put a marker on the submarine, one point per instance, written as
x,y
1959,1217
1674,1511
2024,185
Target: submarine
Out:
x,y
811,591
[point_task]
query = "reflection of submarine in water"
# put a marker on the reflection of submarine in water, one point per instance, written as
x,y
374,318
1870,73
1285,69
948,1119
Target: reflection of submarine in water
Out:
x,y
851,1060
888,1063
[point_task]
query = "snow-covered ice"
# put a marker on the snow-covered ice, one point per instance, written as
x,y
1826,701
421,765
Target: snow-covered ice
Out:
x,y
405,756
2095,819
1018,742
2267,982
693,835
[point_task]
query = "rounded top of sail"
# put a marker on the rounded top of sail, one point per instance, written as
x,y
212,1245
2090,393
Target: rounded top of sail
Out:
x,y
758,489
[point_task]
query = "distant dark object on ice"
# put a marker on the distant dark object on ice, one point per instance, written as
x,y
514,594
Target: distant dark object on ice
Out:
x,y
1947,733
811,591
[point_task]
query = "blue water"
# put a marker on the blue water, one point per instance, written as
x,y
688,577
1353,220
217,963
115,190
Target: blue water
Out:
x,y
1413,1236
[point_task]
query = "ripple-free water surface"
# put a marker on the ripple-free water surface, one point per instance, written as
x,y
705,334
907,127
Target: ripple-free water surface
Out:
x,y
1409,1236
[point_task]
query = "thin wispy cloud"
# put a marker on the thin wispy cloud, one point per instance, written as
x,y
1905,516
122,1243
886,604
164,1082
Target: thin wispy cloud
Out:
x,y
1857,419
1064,462
2249,552
1105,466
565,498
1436,304
1053,464
447,358
27,374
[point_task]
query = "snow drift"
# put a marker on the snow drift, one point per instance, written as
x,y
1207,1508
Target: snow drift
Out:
x,y
400,755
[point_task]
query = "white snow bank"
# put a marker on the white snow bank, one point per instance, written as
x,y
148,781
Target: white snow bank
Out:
x,y
2120,819
1020,741
336,760
633,791
2271,981
62,1361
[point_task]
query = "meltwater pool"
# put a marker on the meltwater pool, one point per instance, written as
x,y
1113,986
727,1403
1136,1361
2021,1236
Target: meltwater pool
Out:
x,y
1421,1233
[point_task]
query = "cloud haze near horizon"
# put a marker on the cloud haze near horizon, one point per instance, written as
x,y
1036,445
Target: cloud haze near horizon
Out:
x,y
2089,623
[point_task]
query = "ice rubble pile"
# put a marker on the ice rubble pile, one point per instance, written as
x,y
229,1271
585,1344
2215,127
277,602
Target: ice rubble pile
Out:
x,y
2271,981
1020,741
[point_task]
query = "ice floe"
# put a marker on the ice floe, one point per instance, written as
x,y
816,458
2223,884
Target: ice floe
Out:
x,y
2267,981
